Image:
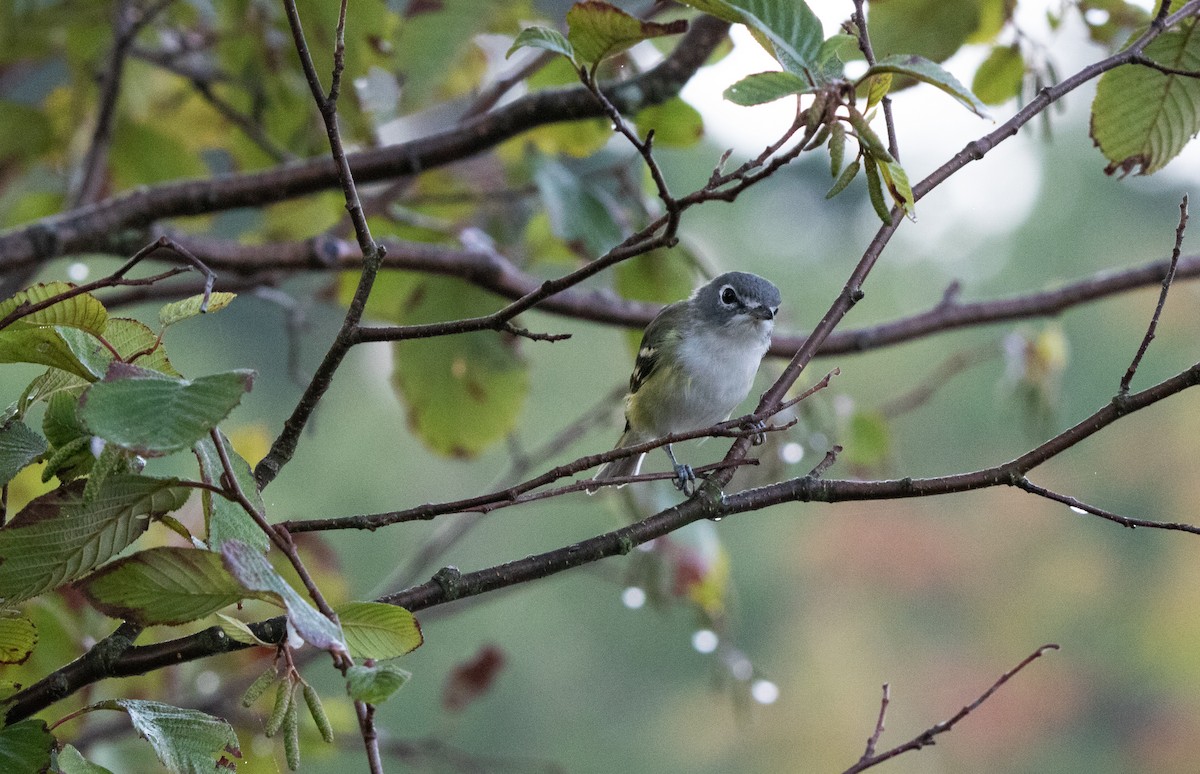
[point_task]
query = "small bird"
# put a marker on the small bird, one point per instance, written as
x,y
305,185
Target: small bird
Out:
x,y
696,363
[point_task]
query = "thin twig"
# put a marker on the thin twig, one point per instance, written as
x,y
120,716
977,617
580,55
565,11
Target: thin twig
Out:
x,y
1082,507
864,45
926,737
1168,278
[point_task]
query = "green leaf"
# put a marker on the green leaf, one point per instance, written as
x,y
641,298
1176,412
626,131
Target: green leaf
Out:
x,y
789,30
877,88
999,77
69,349
379,631
186,741
166,585
934,29
463,392
190,307
255,573
929,72
60,537
239,631
83,311
19,446
151,414
896,180
18,636
544,38
225,519
1142,118
130,338
675,123
868,441
598,30
25,747
375,684
71,761
835,51
581,209
760,88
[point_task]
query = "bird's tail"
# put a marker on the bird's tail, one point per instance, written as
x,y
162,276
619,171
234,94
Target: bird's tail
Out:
x,y
626,466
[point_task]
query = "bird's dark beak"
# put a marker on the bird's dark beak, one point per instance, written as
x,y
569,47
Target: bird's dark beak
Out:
x,y
762,312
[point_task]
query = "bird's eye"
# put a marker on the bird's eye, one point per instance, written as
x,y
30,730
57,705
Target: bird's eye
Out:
x,y
728,295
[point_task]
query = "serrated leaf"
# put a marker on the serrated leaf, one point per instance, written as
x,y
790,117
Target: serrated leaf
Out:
x,y
375,684
252,570
848,174
224,519
789,31
543,38
463,392
18,636
379,631
152,415
19,446
896,180
83,311
70,349
186,741
51,382
929,72
131,337
1142,118
187,308
59,537
598,30
760,88
999,76
71,761
25,747
875,189
166,585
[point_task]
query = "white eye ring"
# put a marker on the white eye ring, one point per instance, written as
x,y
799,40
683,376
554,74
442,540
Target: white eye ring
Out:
x,y
728,295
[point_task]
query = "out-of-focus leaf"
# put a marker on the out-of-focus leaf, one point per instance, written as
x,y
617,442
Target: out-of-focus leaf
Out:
x,y
929,72
150,414
145,153
25,131
190,307
581,210
83,311
1142,118
868,439
676,124
760,88
598,30
25,747
18,636
999,77
60,537
543,38
379,631
19,446
226,520
472,679
165,585
933,29
375,684
463,392
252,570
186,741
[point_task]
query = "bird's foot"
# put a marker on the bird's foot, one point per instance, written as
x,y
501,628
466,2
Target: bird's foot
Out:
x,y
759,435
685,479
